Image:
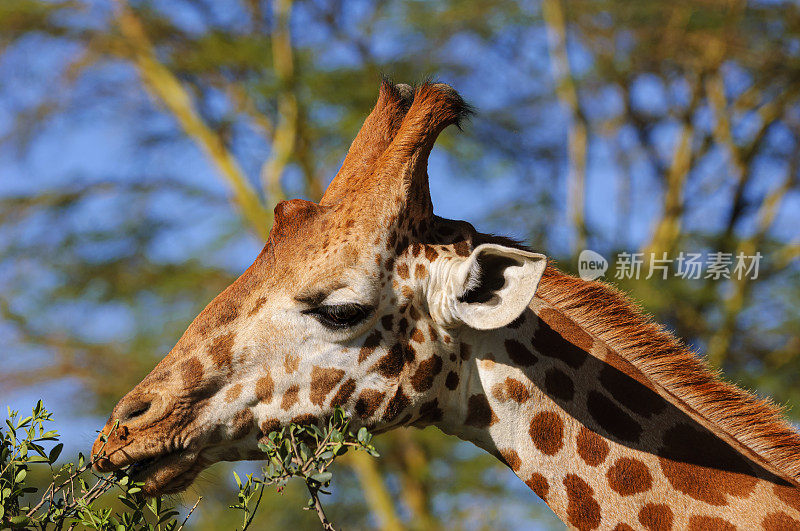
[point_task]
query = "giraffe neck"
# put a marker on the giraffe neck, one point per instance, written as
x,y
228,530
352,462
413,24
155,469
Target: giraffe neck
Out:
x,y
598,442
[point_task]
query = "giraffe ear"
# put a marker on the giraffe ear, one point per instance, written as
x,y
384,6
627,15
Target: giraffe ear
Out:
x,y
494,285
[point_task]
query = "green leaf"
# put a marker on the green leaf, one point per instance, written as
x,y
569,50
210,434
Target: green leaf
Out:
x,y
55,452
20,477
362,435
322,477
19,521
166,516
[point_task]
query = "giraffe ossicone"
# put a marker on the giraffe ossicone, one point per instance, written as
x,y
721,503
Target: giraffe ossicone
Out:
x,y
371,302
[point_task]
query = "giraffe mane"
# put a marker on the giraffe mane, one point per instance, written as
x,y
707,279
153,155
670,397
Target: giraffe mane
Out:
x,y
612,317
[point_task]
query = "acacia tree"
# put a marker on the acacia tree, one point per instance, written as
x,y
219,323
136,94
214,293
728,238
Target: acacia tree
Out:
x,y
146,143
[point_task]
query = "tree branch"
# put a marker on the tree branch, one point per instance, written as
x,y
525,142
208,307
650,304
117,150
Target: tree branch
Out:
x,y
375,491
577,141
170,92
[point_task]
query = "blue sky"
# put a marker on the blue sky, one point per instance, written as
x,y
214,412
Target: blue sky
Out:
x,y
101,140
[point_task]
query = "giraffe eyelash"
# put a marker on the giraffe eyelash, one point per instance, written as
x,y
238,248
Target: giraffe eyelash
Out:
x,y
338,316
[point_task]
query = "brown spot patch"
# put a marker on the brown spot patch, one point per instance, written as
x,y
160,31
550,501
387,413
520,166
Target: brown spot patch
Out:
x,y
583,511
559,385
242,424
391,364
343,394
629,476
451,382
612,418
780,521
430,412
420,271
511,458
630,393
257,306
462,248
656,517
191,372
430,253
699,464
386,322
479,412
464,350
519,353
402,271
290,397
264,388
418,336
538,484
567,328
371,342
226,310
422,380
269,425
511,389
550,343
622,527
547,432
220,351
433,333
291,363
592,448
710,523
233,392
304,419
368,401
788,495
396,405
322,382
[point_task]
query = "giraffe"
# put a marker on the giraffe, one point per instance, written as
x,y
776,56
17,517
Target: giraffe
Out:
x,y
369,301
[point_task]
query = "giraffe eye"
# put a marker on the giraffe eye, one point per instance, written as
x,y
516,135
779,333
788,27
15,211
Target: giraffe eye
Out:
x,y
337,316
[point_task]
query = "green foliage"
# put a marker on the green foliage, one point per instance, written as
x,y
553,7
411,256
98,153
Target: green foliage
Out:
x,y
305,452
73,496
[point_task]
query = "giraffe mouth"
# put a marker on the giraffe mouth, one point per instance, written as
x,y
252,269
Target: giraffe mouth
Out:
x,y
167,474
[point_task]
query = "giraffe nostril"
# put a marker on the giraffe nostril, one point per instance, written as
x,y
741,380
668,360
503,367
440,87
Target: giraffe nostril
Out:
x,y
138,413
134,410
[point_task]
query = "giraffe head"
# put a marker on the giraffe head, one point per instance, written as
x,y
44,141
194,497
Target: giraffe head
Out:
x,y
357,301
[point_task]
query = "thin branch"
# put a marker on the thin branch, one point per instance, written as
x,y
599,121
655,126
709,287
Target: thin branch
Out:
x,y
326,525
168,89
578,140
283,141
720,342
379,499
668,228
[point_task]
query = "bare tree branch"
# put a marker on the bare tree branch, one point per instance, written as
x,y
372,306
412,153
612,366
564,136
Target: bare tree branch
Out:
x,y
578,135
171,93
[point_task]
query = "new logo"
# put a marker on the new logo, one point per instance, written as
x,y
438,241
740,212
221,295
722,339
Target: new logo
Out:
x,y
591,265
